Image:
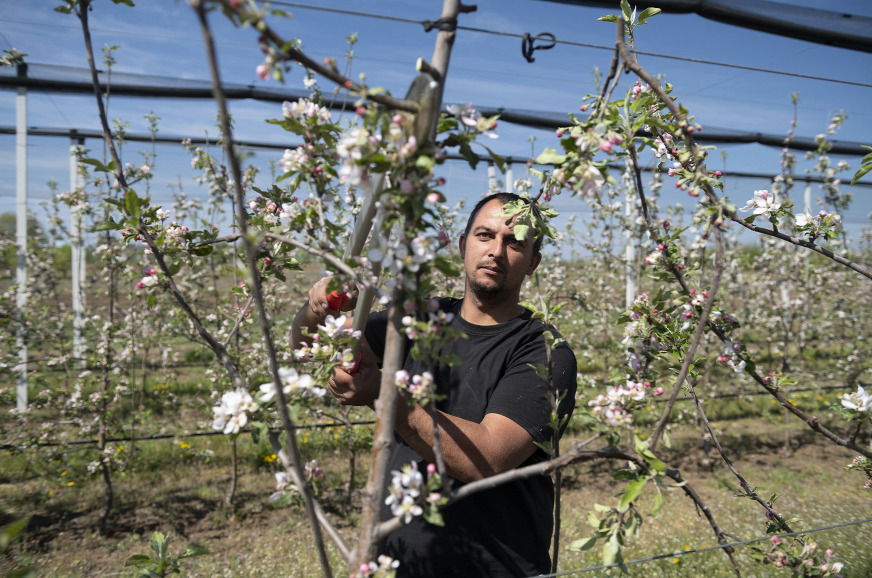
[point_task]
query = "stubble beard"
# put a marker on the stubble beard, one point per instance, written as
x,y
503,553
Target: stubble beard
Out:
x,y
490,293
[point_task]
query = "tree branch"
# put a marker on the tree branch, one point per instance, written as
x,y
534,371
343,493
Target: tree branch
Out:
x,y
810,420
257,290
288,52
220,351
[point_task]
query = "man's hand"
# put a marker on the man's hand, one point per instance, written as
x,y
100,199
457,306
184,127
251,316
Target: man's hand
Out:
x,y
362,386
317,309
319,302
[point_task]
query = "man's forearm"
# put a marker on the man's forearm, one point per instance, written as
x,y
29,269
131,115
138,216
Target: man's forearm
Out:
x,y
307,319
471,451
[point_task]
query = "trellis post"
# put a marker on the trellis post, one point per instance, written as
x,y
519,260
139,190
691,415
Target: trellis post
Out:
x,y
77,252
21,235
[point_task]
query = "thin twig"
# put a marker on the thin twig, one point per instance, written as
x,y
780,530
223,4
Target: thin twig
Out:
x,y
239,318
287,52
331,530
631,64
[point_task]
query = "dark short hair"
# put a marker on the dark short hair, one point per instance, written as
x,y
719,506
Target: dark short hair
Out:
x,y
504,199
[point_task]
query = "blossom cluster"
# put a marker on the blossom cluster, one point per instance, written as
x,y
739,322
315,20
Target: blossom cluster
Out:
x,y
615,408
284,482
330,344
386,567
403,492
472,118
292,384
863,464
820,225
762,203
149,280
731,356
418,386
806,561
231,414
860,401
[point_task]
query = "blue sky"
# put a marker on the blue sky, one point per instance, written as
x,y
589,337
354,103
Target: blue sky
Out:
x,y
161,38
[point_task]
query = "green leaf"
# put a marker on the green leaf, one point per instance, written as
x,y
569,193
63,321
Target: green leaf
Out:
x,y
625,11
582,545
259,431
11,531
137,560
498,160
108,225
610,552
521,231
446,267
862,172
632,492
625,475
424,163
433,516
550,157
132,202
648,13
658,503
593,520
99,165
151,299
193,549
608,18
469,155
159,543
125,2
174,266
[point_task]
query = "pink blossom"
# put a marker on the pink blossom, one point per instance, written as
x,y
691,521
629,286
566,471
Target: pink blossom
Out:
x,y
658,390
262,71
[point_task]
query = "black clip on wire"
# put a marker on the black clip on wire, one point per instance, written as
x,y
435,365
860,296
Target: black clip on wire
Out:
x,y
443,24
527,47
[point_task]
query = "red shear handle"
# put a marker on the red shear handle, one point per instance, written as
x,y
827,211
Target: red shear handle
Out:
x,y
336,299
356,366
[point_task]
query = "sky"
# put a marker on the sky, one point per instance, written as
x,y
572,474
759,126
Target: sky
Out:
x,y
161,38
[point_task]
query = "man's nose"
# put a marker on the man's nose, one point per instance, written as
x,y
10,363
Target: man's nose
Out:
x,y
497,247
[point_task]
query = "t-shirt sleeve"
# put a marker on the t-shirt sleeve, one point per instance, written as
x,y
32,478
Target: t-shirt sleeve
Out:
x,y
376,331
522,396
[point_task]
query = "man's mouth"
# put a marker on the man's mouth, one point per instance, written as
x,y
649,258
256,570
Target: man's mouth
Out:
x,y
491,269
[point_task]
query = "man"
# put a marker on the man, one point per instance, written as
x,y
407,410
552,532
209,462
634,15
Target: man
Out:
x,y
496,409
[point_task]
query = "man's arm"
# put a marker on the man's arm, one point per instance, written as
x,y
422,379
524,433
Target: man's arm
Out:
x,y
471,450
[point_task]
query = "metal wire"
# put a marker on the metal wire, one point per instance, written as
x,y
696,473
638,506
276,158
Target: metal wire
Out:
x,y
568,43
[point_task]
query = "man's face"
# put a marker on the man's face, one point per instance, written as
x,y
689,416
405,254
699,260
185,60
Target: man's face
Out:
x,y
496,263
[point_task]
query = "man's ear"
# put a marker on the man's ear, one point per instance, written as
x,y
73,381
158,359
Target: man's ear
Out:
x,y
461,245
534,262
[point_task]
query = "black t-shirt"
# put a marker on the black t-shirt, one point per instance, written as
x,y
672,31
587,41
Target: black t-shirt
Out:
x,y
505,531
